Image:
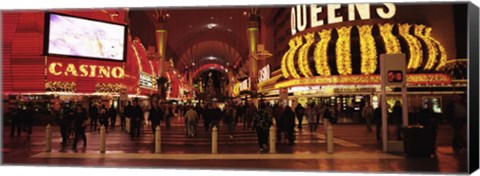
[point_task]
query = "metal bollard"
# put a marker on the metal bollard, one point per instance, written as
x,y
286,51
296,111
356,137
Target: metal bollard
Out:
x,y
214,139
102,139
158,139
329,138
48,138
272,140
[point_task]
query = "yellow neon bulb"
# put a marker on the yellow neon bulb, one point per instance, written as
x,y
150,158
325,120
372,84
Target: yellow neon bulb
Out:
x,y
303,55
344,62
291,56
368,50
285,73
415,48
443,54
320,54
432,51
392,45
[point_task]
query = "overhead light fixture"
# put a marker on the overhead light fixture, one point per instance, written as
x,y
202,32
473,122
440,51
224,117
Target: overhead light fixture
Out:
x,y
211,25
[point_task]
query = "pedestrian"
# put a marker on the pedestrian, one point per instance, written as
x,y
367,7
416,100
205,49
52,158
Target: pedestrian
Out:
x,y
299,112
397,117
15,120
113,115
27,116
429,119
229,119
456,114
103,115
239,113
289,124
217,116
93,113
377,113
245,108
311,114
367,114
136,119
278,115
63,123
191,118
318,113
206,116
80,116
262,122
168,116
251,112
121,113
155,116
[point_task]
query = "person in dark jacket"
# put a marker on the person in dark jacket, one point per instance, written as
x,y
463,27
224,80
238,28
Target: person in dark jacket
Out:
x,y
277,114
397,117
168,116
27,116
16,121
429,119
65,123
136,119
377,113
155,116
121,113
93,113
262,122
112,112
103,116
289,124
128,113
456,115
217,116
80,116
206,116
299,112
251,112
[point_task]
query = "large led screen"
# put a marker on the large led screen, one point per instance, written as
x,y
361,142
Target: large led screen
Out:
x,y
78,37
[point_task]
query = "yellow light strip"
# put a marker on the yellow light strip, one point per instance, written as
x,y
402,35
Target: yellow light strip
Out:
x,y
392,45
443,54
137,56
291,56
320,54
344,59
362,80
432,51
415,48
368,50
285,73
303,55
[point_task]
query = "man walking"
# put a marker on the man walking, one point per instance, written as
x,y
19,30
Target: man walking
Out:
x,y
299,111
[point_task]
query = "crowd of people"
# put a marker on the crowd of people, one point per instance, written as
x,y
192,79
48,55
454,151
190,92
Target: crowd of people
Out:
x,y
21,119
74,119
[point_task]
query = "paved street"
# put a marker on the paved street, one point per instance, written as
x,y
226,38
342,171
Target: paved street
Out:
x,y
355,150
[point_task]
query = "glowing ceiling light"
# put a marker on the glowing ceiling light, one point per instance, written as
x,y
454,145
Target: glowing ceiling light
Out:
x,y
211,25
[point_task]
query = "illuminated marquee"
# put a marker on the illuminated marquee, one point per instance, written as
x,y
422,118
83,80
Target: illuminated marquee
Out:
x,y
84,70
416,79
302,15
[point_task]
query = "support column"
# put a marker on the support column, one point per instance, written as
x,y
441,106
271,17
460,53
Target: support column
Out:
x,y
161,39
252,37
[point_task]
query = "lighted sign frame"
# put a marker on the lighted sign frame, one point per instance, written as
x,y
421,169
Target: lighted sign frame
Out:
x,y
46,38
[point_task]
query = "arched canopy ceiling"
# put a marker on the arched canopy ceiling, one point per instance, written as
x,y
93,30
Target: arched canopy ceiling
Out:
x,y
196,34
208,52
